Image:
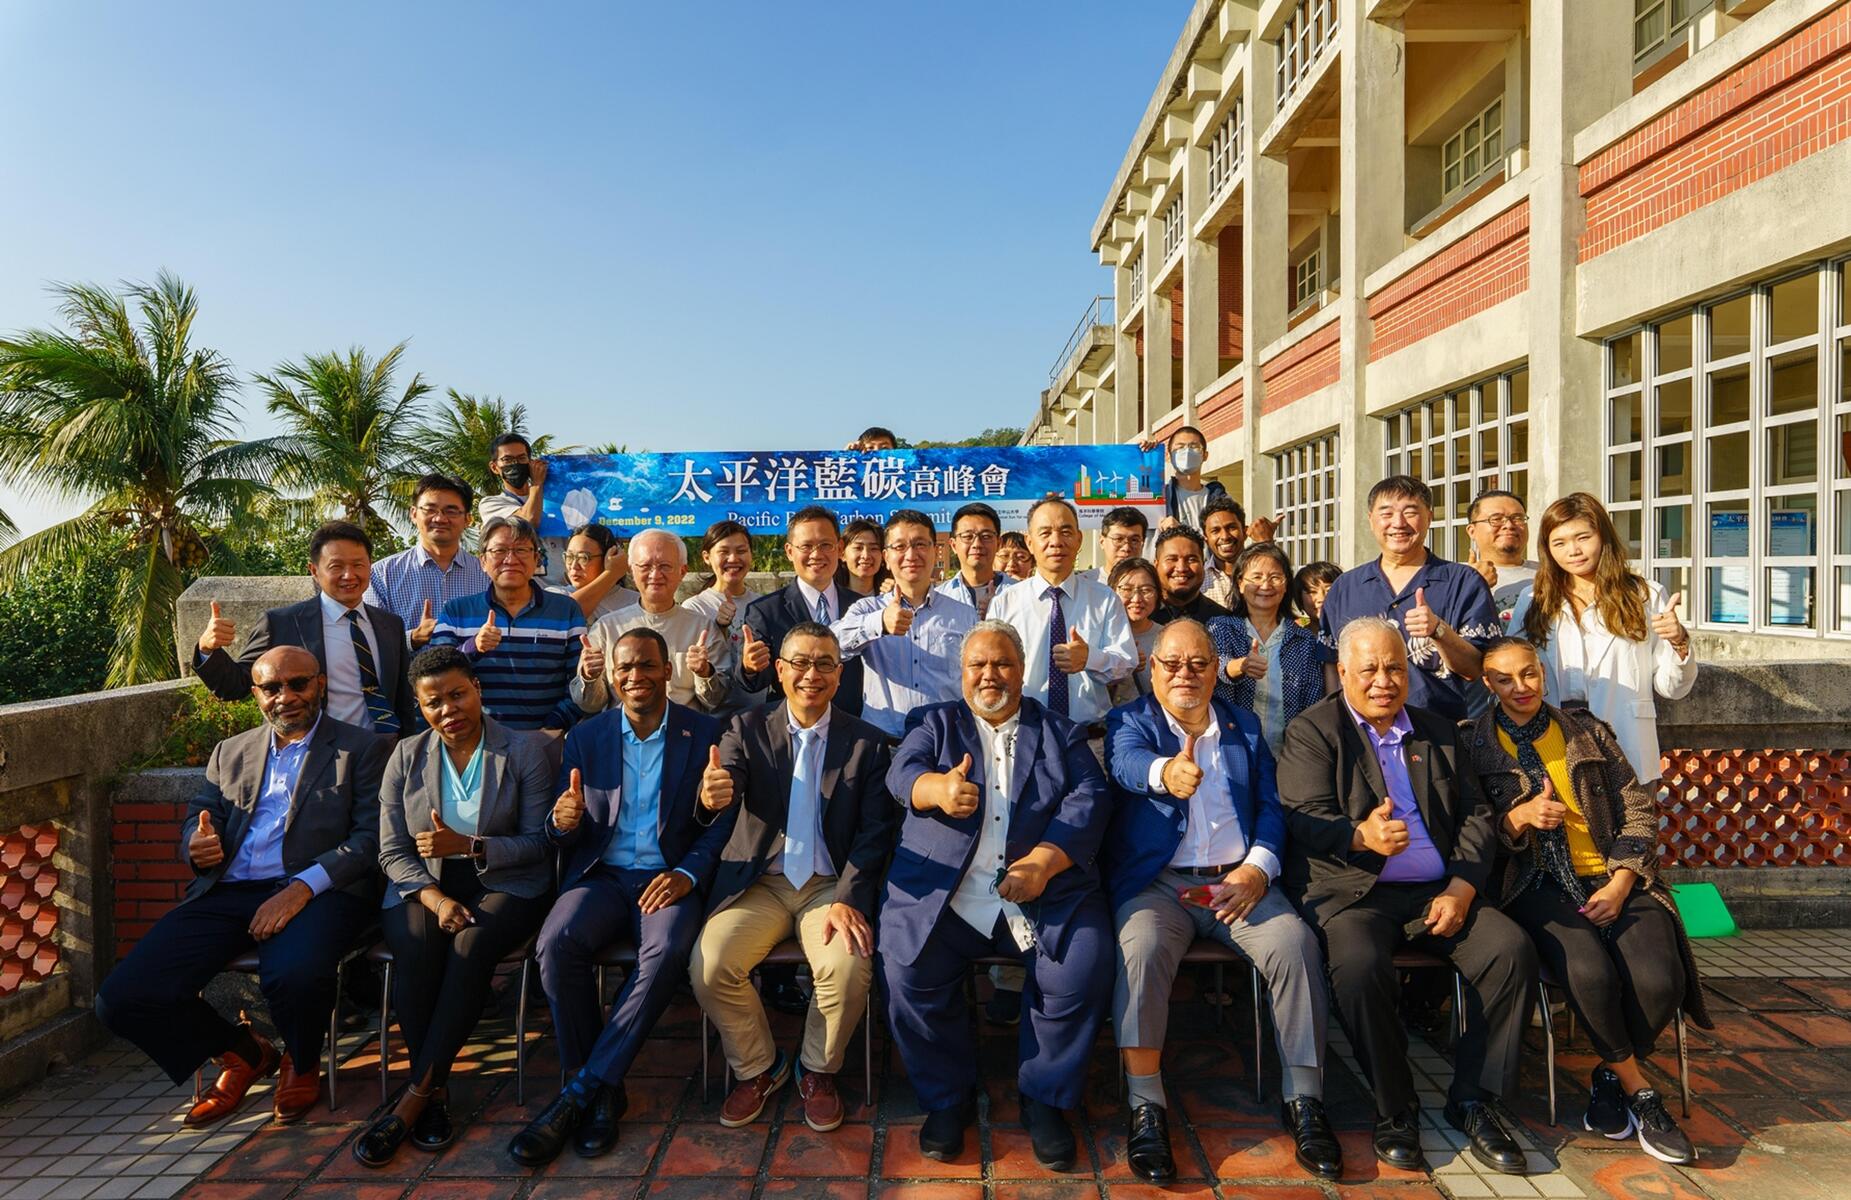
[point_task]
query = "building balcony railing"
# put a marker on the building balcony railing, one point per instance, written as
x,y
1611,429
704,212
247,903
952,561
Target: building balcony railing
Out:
x,y
1311,27
1095,325
1224,151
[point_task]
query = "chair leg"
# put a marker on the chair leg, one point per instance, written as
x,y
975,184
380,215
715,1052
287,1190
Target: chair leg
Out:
x,y
704,1076
1259,1034
1221,994
1548,1034
385,1030
334,1030
1683,1065
867,1059
199,1083
520,1034
1459,999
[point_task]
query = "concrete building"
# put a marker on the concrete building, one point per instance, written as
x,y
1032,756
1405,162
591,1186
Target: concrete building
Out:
x,y
1546,245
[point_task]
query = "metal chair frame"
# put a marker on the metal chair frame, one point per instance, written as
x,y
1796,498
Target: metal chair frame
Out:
x,y
1543,988
382,954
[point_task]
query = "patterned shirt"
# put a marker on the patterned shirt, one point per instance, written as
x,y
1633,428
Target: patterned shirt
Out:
x,y
525,679
402,582
1455,592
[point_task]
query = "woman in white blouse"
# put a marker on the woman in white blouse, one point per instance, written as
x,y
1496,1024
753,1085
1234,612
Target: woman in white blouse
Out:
x,y
1609,639
727,551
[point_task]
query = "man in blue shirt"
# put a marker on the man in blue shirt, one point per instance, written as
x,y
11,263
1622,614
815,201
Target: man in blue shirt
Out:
x,y
416,584
1443,609
634,852
283,841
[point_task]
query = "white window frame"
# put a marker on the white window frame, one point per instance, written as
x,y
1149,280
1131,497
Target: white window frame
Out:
x,y
1224,149
1674,17
1307,480
1307,278
1829,612
1302,37
1137,282
1488,421
1479,141
1172,227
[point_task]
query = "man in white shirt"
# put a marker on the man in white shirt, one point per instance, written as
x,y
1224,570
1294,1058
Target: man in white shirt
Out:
x,y
701,659
1073,628
976,531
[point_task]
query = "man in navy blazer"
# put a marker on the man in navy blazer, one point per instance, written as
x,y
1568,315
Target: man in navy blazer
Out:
x,y
636,863
1197,839
813,544
1005,807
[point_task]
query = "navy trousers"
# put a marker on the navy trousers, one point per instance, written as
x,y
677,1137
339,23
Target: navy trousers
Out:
x,y
591,915
1063,1004
152,997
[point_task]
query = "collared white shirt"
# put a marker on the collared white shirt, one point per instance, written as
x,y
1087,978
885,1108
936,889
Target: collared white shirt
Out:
x,y
976,901
1213,836
346,700
810,596
819,738
1218,586
1097,612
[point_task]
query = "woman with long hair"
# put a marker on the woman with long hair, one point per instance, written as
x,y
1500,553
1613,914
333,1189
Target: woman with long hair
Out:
x,y
1135,581
1269,662
864,564
1608,638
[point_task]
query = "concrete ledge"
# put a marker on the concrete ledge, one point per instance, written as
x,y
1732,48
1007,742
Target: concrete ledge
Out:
x,y
1763,705
1778,897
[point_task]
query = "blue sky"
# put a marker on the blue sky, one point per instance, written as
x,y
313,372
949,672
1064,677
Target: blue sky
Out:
x,y
648,222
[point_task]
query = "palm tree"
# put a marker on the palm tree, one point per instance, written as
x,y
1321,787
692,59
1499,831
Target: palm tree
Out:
x,y
458,442
122,411
349,441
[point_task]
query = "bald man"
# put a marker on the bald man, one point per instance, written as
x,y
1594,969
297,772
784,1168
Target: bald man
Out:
x,y
283,841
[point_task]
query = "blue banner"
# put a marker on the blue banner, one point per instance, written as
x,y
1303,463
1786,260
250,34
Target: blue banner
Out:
x,y
761,488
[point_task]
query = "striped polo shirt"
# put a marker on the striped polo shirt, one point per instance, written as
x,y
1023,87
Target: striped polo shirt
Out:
x,y
525,680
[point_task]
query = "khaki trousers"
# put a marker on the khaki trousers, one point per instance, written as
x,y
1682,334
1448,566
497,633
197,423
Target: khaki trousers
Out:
x,y
737,938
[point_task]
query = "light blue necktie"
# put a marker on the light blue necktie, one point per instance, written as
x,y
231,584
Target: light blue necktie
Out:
x,y
822,609
800,823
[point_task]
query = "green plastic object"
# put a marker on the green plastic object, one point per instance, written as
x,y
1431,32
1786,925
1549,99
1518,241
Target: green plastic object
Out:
x,y
1704,913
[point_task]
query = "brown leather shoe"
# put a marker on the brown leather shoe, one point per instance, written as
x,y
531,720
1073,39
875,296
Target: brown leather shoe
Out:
x,y
822,1104
747,1099
235,1080
296,1092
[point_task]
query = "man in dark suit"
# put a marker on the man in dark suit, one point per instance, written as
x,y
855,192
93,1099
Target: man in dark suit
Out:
x,y
283,841
636,862
1194,847
813,544
1005,809
361,647
1390,844
814,828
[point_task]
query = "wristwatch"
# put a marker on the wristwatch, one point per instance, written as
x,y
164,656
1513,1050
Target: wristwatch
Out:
x,y
478,850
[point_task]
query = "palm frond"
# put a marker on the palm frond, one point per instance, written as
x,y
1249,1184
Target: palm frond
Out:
x,y
143,612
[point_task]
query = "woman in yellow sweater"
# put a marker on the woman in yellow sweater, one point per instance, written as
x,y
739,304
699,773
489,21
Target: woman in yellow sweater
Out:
x,y
1580,836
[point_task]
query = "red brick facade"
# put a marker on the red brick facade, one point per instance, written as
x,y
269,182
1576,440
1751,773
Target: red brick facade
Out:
x,y
145,847
1224,411
1228,263
1301,369
1486,267
1790,101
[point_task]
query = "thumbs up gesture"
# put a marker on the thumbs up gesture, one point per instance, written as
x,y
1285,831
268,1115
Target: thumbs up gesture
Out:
x,y
698,662
1070,655
754,655
489,636
1380,831
1251,665
727,610
441,841
1545,811
716,783
1667,626
896,618
953,791
221,631
569,809
203,846
1181,775
427,624
1420,621
590,660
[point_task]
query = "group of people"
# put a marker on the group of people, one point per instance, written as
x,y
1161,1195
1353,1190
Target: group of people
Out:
x,y
1316,768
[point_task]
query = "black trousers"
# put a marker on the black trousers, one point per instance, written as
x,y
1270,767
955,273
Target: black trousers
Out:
x,y
1626,987
152,997
1494,955
440,981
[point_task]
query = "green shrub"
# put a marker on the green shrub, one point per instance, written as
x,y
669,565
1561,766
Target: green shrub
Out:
x,y
201,722
55,630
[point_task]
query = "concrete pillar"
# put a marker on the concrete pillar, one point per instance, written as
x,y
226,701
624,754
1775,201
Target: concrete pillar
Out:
x,y
1158,367
1201,286
1263,263
1125,427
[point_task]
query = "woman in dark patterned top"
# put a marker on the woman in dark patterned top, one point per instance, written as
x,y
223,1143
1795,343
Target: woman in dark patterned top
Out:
x,y
1270,664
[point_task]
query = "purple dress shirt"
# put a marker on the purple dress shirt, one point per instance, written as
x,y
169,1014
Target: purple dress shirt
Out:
x,y
1420,862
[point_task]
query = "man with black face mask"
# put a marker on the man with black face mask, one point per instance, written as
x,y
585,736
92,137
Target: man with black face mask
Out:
x,y
523,486
1185,494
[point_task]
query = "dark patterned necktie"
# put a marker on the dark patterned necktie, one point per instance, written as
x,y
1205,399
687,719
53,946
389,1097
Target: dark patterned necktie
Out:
x,y
1057,634
384,719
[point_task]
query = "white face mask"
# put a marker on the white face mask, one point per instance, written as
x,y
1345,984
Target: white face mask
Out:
x,y
1187,458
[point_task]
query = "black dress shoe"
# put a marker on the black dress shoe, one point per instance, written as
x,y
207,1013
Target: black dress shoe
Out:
x,y
547,1134
376,1147
1397,1141
1491,1141
1318,1149
433,1130
598,1132
1147,1145
1049,1134
941,1138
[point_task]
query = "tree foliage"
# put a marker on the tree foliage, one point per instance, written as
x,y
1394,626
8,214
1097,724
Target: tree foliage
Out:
x,y
458,441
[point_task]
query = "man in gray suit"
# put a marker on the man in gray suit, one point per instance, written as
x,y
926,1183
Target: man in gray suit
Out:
x,y
283,840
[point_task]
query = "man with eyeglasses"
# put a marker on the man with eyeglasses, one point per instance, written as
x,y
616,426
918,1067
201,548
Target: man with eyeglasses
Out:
x,y
416,583
1193,851
908,639
701,657
1121,536
283,843
523,494
976,531
813,544
814,828
1500,532
523,639
362,645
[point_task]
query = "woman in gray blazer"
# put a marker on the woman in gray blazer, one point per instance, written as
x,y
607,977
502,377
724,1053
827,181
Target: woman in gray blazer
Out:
x,y
469,878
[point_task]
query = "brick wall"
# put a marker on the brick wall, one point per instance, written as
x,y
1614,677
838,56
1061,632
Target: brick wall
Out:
x,y
144,843
1485,267
28,906
1790,101
1176,321
1229,320
1224,411
1301,369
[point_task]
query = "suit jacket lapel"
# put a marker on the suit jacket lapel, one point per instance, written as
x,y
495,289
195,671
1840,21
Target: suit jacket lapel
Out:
x,y
1236,759
1365,756
434,750
783,762
1029,731
317,760
966,724
308,625
494,757
677,748
835,757
1417,752
247,780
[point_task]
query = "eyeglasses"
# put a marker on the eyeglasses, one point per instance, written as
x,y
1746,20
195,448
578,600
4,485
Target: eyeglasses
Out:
x,y
508,462
1503,521
966,539
1184,666
1138,593
1264,580
295,683
574,559
807,549
1122,541
507,553
917,545
431,512
652,568
824,666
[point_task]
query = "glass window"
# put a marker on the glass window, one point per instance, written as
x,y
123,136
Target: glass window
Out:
x,y
1729,396
1304,487
1624,423
1795,385
1623,363
1729,328
1462,452
1674,469
1674,531
1674,345
1793,453
1728,462
1674,407
1519,392
1795,309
